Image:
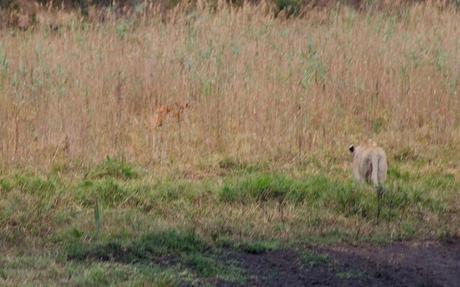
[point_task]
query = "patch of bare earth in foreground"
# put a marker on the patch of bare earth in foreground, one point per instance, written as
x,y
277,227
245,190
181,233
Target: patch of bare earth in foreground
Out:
x,y
400,264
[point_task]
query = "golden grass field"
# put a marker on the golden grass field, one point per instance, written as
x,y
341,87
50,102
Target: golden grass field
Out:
x,y
258,88
227,123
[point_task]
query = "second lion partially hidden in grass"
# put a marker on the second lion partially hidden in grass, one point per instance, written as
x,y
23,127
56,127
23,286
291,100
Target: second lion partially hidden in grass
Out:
x,y
370,165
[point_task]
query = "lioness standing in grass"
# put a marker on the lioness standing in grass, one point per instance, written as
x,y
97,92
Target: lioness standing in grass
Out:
x,y
370,165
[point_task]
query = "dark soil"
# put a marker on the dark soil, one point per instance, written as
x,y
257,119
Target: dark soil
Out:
x,y
428,263
401,264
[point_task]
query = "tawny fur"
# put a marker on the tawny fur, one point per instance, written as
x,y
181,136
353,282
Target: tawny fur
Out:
x,y
162,112
369,163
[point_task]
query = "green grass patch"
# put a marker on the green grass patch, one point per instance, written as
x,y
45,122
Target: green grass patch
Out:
x,y
164,243
168,249
208,266
149,247
170,190
5,185
26,270
261,187
29,183
111,192
314,259
114,168
349,275
403,197
351,200
315,191
440,182
259,247
344,197
108,191
266,187
395,173
102,275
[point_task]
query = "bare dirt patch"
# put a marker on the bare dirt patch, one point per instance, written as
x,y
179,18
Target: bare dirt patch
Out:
x,y
426,263
399,264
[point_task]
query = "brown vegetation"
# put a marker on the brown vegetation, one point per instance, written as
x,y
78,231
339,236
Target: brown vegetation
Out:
x,y
135,147
261,88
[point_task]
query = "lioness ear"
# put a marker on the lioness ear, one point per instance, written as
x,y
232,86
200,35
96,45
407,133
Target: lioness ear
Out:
x,y
351,148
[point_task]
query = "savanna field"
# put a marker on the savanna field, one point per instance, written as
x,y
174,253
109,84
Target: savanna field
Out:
x,y
207,145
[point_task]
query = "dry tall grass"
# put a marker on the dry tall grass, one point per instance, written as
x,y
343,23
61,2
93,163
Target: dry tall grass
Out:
x,y
257,88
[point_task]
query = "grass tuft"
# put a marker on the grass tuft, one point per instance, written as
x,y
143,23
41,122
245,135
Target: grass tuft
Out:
x,y
107,192
168,248
149,247
349,275
259,247
29,184
314,259
114,168
259,188
209,266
